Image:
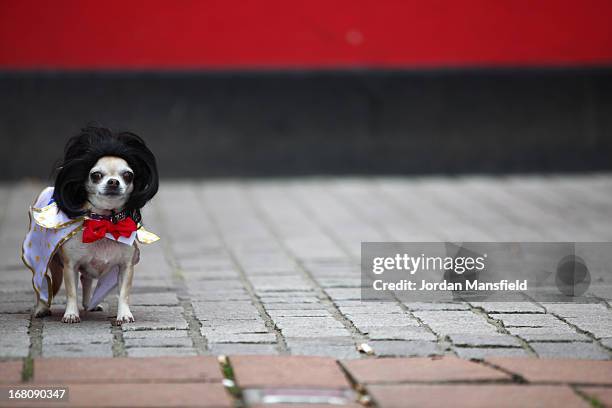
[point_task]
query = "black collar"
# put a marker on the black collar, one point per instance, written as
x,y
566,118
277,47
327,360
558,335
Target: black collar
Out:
x,y
113,217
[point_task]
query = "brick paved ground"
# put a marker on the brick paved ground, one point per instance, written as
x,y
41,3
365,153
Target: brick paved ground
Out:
x,y
314,382
271,267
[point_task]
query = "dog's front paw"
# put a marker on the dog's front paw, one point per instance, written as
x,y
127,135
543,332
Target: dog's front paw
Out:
x,y
125,317
71,318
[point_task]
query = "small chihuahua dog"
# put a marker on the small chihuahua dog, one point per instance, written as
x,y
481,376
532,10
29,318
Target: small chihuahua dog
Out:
x,y
104,180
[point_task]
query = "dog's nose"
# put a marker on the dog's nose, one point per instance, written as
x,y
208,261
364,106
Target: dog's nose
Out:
x,y
113,183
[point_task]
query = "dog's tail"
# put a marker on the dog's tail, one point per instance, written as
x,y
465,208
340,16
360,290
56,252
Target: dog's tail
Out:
x,y
57,273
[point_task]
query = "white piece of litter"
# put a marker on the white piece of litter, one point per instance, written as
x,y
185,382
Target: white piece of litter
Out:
x,y
365,348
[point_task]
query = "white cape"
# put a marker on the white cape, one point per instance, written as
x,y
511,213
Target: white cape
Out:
x,y
49,229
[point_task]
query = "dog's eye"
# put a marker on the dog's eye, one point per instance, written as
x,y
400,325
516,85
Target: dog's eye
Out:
x,y
128,176
96,176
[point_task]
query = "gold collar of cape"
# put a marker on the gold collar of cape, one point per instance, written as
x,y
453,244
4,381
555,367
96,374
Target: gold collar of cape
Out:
x,y
47,217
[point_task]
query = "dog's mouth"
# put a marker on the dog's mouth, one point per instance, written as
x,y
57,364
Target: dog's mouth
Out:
x,y
112,193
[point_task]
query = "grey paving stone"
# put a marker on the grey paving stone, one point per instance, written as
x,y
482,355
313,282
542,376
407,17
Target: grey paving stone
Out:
x,y
16,349
509,307
217,286
275,313
160,351
364,303
146,334
195,249
294,306
388,348
20,307
212,318
386,320
528,320
208,296
272,270
156,318
230,307
84,336
502,340
275,283
345,340
199,264
212,274
77,350
547,334
235,349
307,322
344,293
370,308
228,332
325,350
234,326
576,309
285,295
399,333
10,322
599,326
313,332
225,311
340,282
269,300
607,342
316,248
14,286
154,341
18,296
154,299
151,285
452,322
215,337
436,306
484,352
13,333
570,350
14,338
332,267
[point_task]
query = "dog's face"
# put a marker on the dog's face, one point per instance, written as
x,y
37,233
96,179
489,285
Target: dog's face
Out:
x,y
110,183
106,171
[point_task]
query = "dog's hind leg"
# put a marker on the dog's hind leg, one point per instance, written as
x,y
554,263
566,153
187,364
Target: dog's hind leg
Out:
x,y
87,283
41,309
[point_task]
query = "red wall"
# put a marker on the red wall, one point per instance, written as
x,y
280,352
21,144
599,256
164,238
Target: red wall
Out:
x,y
191,34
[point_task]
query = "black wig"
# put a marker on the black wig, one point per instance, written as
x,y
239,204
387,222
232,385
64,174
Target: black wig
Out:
x,y
81,154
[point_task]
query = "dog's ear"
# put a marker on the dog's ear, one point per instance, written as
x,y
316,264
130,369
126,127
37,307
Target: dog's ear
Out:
x,y
142,161
69,193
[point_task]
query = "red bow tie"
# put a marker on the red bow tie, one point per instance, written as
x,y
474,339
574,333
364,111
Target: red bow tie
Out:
x,y
94,230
